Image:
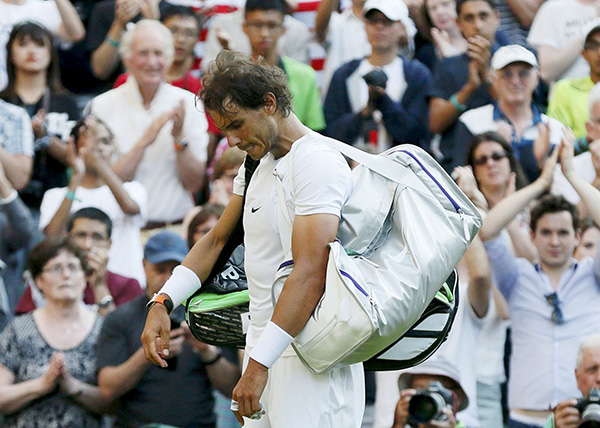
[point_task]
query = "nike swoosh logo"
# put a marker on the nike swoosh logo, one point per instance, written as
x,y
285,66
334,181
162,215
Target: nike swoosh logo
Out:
x,y
255,209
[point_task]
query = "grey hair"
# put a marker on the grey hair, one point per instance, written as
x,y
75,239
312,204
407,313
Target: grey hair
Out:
x,y
591,341
594,96
153,26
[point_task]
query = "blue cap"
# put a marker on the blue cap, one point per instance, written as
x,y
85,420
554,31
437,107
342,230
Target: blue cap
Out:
x,y
165,246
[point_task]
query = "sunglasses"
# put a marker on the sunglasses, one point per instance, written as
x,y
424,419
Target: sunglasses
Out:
x,y
496,156
557,314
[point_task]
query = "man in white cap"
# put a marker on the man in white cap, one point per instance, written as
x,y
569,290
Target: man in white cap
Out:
x,y
381,99
514,77
423,378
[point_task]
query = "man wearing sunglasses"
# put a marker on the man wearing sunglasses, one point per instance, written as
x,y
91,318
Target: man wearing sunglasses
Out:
x,y
514,77
553,302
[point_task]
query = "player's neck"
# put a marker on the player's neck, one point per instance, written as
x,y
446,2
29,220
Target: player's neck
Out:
x,y
291,129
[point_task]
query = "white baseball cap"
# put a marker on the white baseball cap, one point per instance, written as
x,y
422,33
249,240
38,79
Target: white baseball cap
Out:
x,y
394,10
510,54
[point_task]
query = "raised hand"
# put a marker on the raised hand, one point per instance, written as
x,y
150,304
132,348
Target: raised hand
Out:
x,y
38,123
541,145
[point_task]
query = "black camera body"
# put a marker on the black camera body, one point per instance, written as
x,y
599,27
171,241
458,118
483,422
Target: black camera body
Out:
x,y
428,404
377,78
589,408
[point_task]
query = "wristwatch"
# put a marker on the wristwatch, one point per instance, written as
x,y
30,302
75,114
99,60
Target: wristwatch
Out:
x,y
180,145
163,300
106,301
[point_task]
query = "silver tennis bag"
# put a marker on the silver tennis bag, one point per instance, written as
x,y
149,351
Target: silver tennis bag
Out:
x,y
391,290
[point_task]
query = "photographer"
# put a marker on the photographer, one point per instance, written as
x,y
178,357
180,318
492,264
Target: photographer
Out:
x,y
587,374
381,99
436,380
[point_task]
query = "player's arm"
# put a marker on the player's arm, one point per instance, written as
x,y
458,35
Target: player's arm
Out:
x,y
185,280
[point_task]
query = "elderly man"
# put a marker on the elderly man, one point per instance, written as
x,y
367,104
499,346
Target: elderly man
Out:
x,y
514,78
160,133
587,375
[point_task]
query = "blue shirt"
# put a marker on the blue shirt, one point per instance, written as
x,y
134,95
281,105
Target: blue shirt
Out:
x,y
543,358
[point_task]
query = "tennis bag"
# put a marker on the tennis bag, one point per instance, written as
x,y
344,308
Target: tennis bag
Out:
x,y
390,293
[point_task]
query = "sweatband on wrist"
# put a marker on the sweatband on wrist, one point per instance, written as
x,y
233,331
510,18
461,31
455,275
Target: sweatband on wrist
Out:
x,y
581,145
270,345
112,42
457,105
182,284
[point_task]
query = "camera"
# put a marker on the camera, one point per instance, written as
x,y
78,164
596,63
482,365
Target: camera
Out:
x,y
589,408
376,78
428,404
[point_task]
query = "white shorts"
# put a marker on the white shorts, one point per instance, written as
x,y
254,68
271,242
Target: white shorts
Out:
x,y
296,398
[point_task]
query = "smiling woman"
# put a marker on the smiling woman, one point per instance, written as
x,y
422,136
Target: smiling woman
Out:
x,y
47,363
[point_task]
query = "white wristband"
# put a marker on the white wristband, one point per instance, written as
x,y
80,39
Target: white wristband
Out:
x,y
182,284
270,345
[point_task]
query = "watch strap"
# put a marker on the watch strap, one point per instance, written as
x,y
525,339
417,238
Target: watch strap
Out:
x,y
163,300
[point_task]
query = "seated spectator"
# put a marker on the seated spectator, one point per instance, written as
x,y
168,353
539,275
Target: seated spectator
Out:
x,y
569,100
194,368
514,79
34,84
16,231
263,25
459,82
106,28
553,301
419,378
226,32
587,375
557,34
16,144
391,109
59,17
90,230
204,219
225,170
94,184
160,133
47,372
588,243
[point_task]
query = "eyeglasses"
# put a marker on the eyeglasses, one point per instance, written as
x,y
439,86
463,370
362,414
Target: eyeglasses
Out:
x,y
496,156
58,269
557,314
271,26
508,75
184,32
374,20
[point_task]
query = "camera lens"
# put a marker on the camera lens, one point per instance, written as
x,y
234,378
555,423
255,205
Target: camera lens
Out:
x,y
590,417
422,408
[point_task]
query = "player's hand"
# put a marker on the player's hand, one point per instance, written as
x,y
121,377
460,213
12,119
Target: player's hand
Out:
x,y
249,389
156,335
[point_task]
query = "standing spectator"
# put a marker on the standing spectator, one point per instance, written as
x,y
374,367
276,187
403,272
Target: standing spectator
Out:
x,y
460,82
161,135
392,110
90,230
552,301
516,17
58,16
343,35
226,32
16,230
34,84
514,79
569,100
557,35
106,28
94,184
194,367
264,26
16,144
47,373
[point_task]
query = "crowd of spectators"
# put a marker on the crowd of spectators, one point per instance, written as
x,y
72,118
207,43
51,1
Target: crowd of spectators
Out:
x,y
110,170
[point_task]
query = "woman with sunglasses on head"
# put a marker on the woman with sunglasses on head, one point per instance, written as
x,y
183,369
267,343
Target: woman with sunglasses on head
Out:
x,y
47,357
34,84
